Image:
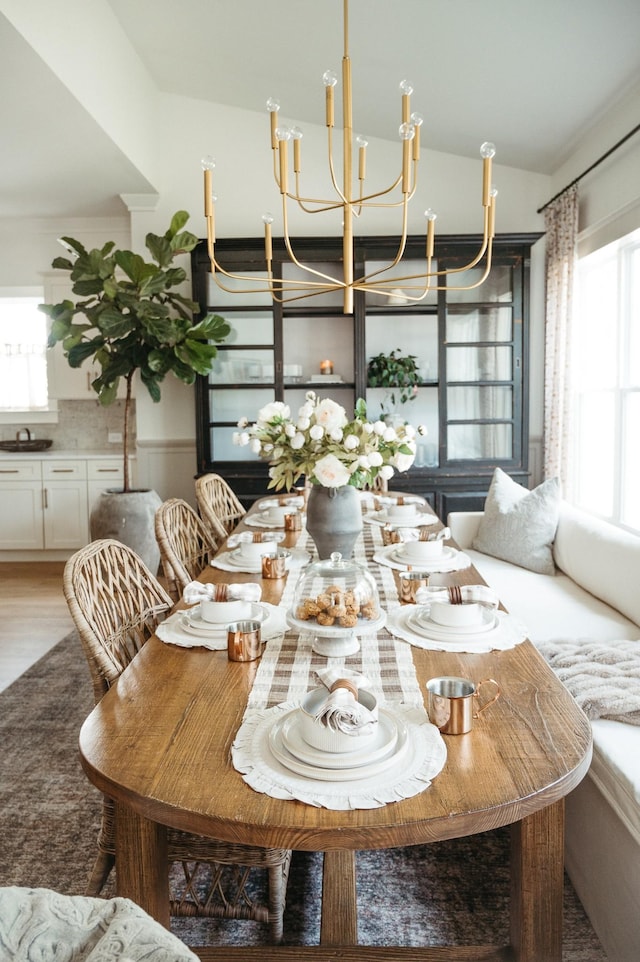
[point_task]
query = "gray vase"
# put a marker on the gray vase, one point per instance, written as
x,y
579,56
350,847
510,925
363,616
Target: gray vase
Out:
x,y
334,519
129,517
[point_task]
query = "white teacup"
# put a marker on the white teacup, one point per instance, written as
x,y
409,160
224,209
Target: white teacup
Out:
x,y
275,514
418,551
452,616
400,512
224,612
254,550
328,739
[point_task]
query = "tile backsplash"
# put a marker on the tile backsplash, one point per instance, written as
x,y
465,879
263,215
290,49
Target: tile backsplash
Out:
x,y
82,425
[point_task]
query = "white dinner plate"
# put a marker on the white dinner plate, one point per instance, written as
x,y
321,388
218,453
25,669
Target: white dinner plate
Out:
x,y
439,633
194,623
398,555
412,521
487,621
298,767
379,747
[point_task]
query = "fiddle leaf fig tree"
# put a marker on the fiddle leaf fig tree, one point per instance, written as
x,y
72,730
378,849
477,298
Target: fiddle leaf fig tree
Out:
x,y
129,317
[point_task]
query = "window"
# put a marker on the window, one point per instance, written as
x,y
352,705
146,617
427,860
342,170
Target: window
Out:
x,y
606,463
23,346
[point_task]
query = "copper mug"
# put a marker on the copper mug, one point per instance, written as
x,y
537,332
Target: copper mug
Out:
x,y
293,521
451,706
274,565
244,641
410,582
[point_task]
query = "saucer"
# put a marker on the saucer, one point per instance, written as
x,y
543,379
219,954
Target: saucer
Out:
x,y
398,555
347,774
382,744
414,521
421,620
194,623
235,559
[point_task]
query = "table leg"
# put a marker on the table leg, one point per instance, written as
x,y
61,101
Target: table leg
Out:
x,y
141,863
339,925
537,885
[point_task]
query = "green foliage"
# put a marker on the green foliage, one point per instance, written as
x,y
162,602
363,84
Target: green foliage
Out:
x,y
129,317
393,371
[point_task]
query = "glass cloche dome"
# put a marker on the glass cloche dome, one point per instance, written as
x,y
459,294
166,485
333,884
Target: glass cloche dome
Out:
x,y
337,600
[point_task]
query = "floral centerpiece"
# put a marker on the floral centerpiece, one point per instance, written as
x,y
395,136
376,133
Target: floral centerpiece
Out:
x,y
336,455
324,446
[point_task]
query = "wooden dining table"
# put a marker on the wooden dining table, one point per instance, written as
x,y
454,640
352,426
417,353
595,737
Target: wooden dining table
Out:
x,y
160,740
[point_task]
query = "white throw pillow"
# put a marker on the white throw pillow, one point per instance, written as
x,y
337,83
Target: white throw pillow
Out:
x,y
519,525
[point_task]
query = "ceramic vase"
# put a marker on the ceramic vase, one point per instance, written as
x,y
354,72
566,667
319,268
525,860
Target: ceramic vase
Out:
x,y
334,519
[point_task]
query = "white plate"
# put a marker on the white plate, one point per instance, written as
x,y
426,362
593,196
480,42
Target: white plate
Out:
x,y
379,747
294,501
448,554
421,617
444,634
411,521
282,755
235,559
194,623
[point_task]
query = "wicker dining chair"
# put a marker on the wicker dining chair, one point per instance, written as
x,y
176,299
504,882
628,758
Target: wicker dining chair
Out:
x,y
218,504
116,603
186,544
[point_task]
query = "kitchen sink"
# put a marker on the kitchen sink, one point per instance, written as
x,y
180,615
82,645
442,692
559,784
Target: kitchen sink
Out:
x,y
25,446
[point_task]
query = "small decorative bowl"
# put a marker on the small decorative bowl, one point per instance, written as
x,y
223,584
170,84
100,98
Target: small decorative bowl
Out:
x,y
222,612
452,616
417,551
326,739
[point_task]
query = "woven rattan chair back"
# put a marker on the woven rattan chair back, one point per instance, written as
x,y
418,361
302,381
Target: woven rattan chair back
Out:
x,y
186,544
116,603
218,504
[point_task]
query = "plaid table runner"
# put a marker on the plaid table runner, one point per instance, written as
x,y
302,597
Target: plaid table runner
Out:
x,y
287,668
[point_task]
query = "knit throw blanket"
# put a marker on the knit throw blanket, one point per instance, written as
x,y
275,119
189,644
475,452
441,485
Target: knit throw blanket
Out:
x,y
603,677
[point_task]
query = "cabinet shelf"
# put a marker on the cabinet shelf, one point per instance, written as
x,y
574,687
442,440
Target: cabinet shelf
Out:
x,y
473,356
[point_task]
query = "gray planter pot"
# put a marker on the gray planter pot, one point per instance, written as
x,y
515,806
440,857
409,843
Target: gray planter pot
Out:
x,y
129,517
334,519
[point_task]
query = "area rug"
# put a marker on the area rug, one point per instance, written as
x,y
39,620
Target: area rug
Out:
x,y
450,893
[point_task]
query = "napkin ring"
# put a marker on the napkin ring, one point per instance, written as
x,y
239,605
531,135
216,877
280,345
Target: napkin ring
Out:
x,y
345,683
221,591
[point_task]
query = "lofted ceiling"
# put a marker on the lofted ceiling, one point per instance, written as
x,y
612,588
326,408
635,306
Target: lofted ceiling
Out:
x,y
530,75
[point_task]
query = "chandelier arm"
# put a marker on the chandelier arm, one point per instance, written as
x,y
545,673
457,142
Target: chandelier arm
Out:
x,y
334,282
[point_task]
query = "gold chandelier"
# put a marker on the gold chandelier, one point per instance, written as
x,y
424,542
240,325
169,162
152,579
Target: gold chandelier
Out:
x,y
285,140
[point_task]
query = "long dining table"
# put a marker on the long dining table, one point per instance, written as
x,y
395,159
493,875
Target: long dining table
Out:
x,y
160,744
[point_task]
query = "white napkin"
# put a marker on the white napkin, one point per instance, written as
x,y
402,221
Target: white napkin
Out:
x,y
340,711
196,591
468,593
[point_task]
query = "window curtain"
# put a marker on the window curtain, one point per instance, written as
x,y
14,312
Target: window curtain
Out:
x,y
561,223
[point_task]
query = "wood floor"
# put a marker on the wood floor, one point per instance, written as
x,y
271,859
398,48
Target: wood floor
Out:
x,y
33,614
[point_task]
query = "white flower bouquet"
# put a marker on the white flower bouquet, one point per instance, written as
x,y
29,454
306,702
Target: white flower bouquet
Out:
x,y
323,445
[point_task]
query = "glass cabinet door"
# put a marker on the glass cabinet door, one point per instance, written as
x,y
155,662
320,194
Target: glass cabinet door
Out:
x,y
482,358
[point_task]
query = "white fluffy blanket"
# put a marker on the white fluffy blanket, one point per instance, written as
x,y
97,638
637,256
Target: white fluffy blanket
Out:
x,y
38,925
603,677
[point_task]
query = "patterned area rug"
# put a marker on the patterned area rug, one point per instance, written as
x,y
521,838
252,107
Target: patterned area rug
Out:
x,y
453,892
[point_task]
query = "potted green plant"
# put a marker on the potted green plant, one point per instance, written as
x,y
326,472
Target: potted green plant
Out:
x,y
399,373
129,317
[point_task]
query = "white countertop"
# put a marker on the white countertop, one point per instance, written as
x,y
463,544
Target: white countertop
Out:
x,y
66,454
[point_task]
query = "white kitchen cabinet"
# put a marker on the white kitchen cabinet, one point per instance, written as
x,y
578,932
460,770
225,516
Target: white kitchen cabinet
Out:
x,y
21,527
65,515
45,503
103,474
